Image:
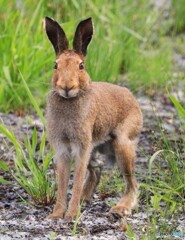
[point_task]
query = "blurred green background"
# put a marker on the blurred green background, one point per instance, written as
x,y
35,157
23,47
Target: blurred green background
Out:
x,y
131,44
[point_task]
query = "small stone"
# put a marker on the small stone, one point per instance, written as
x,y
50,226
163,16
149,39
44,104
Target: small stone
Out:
x,y
124,228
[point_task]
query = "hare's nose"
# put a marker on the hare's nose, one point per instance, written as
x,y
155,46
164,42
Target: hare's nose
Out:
x,y
66,90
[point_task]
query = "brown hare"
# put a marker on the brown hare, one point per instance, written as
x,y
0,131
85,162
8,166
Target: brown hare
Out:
x,y
82,115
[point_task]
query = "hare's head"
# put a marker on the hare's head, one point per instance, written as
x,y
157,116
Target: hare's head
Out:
x,y
69,77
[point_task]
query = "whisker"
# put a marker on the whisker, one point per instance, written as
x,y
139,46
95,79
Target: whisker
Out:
x,y
54,92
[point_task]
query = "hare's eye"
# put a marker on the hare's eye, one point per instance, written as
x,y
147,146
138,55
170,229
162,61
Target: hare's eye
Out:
x,y
55,65
81,66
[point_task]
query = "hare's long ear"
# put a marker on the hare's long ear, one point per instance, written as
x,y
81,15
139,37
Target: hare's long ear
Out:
x,y
56,35
83,36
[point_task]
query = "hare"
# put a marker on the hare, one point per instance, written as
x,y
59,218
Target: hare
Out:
x,y
80,116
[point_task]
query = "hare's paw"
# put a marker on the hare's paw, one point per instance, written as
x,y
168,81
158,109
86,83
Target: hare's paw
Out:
x,y
71,214
58,212
120,210
55,215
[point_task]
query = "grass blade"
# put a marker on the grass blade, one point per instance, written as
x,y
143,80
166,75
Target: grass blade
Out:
x,y
32,99
4,166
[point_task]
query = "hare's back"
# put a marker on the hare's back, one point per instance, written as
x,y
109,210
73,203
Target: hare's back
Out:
x,y
114,103
108,93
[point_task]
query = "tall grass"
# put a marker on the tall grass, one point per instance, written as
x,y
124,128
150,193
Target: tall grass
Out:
x,y
150,68
121,27
178,10
22,48
32,160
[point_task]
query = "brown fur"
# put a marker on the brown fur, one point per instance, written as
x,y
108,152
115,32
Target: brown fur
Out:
x,y
90,114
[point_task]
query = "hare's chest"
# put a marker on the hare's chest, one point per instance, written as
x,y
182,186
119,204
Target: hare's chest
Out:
x,y
67,121
64,127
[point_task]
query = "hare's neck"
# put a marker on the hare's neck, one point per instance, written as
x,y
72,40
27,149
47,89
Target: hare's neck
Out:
x,y
70,106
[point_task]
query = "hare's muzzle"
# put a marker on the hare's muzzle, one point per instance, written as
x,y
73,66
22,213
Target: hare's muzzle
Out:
x,y
68,92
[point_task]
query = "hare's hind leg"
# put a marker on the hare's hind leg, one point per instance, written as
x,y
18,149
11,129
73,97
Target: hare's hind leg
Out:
x,y
125,155
91,182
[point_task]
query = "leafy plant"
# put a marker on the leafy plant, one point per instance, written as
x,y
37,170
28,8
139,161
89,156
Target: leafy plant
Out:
x,y
31,169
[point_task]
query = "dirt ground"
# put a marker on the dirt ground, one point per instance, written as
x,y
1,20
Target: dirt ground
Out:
x,y
20,221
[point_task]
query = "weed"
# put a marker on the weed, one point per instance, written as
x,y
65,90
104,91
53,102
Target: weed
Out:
x,y
77,219
31,170
111,184
177,104
52,235
130,233
164,190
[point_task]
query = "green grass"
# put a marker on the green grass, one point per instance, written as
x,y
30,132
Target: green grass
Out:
x,y
31,171
150,69
161,191
123,43
111,184
22,49
178,10
32,160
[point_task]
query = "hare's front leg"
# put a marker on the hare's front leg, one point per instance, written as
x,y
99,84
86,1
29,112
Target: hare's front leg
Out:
x,y
63,174
81,163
